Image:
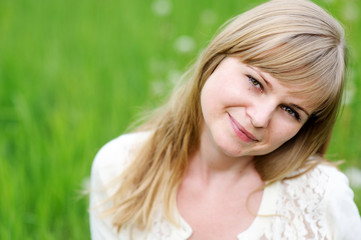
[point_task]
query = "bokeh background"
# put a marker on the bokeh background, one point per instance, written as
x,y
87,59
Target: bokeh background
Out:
x,y
75,74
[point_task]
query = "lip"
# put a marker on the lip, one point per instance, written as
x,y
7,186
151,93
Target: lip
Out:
x,y
240,131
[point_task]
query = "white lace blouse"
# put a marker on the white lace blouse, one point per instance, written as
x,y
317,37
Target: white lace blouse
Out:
x,y
317,205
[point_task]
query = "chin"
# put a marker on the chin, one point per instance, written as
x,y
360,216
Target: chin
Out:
x,y
229,148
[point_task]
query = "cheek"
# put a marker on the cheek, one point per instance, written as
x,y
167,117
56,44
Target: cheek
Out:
x,y
213,96
285,132
209,104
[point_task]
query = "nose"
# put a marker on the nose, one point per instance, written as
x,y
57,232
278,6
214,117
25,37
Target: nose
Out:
x,y
261,113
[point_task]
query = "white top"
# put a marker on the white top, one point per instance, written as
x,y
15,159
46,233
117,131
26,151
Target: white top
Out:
x,y
317,205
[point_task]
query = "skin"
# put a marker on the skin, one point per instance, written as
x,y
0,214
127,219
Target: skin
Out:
x,y
246,113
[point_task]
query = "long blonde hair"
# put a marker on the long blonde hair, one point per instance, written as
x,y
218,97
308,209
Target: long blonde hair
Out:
x,y
295,41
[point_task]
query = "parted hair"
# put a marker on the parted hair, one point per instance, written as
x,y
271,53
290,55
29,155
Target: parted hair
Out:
x,y
295,41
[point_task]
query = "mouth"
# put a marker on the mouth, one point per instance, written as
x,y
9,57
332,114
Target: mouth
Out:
x,y
240,131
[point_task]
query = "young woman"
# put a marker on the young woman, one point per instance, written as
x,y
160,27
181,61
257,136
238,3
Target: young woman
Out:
x,y
238,151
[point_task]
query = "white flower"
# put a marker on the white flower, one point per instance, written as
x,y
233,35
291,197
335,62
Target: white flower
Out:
x,y
349,89
350,11
85,186
158,87
208,17
174,76
157,66
184,44
161,7
354,175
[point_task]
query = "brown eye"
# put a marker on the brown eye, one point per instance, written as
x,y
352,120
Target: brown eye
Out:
x,y
255,83
291,112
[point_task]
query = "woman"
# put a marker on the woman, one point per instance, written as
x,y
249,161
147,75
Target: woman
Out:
x,y
238,150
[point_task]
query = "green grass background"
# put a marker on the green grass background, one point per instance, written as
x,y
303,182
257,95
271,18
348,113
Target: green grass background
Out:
x,y
74,74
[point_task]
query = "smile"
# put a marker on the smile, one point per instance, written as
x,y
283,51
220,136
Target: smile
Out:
x,y
240,131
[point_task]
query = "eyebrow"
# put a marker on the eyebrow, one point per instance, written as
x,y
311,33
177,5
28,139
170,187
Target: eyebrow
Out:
x,y
300,108
270,86
260,74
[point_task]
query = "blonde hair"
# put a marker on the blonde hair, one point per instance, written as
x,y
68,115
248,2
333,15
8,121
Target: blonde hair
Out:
x,y
298,43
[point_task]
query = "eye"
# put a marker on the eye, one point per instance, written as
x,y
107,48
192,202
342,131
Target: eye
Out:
x,y
291,112
255,83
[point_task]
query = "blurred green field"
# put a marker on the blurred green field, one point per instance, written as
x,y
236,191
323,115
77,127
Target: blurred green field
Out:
x,y
74,74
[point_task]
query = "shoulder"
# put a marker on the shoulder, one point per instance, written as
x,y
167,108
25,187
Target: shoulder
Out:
x,y
321,201
322,176
341,211
323,184
114,156
312,184
309,191
109,162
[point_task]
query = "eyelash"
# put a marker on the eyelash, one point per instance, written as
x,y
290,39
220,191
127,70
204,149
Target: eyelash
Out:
x,y
255,83
259,86
291,112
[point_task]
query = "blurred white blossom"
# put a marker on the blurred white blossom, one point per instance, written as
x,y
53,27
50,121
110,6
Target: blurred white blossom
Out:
x,y
349,95
184,44
349,88
354,175
350,10
157,66
208,17
85,185
162,7
158,87
174,76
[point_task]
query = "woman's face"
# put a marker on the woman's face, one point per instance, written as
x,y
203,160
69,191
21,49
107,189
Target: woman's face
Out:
x,y
247,112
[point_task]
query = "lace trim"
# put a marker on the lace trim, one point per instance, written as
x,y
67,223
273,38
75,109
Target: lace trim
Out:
x,y
300,214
